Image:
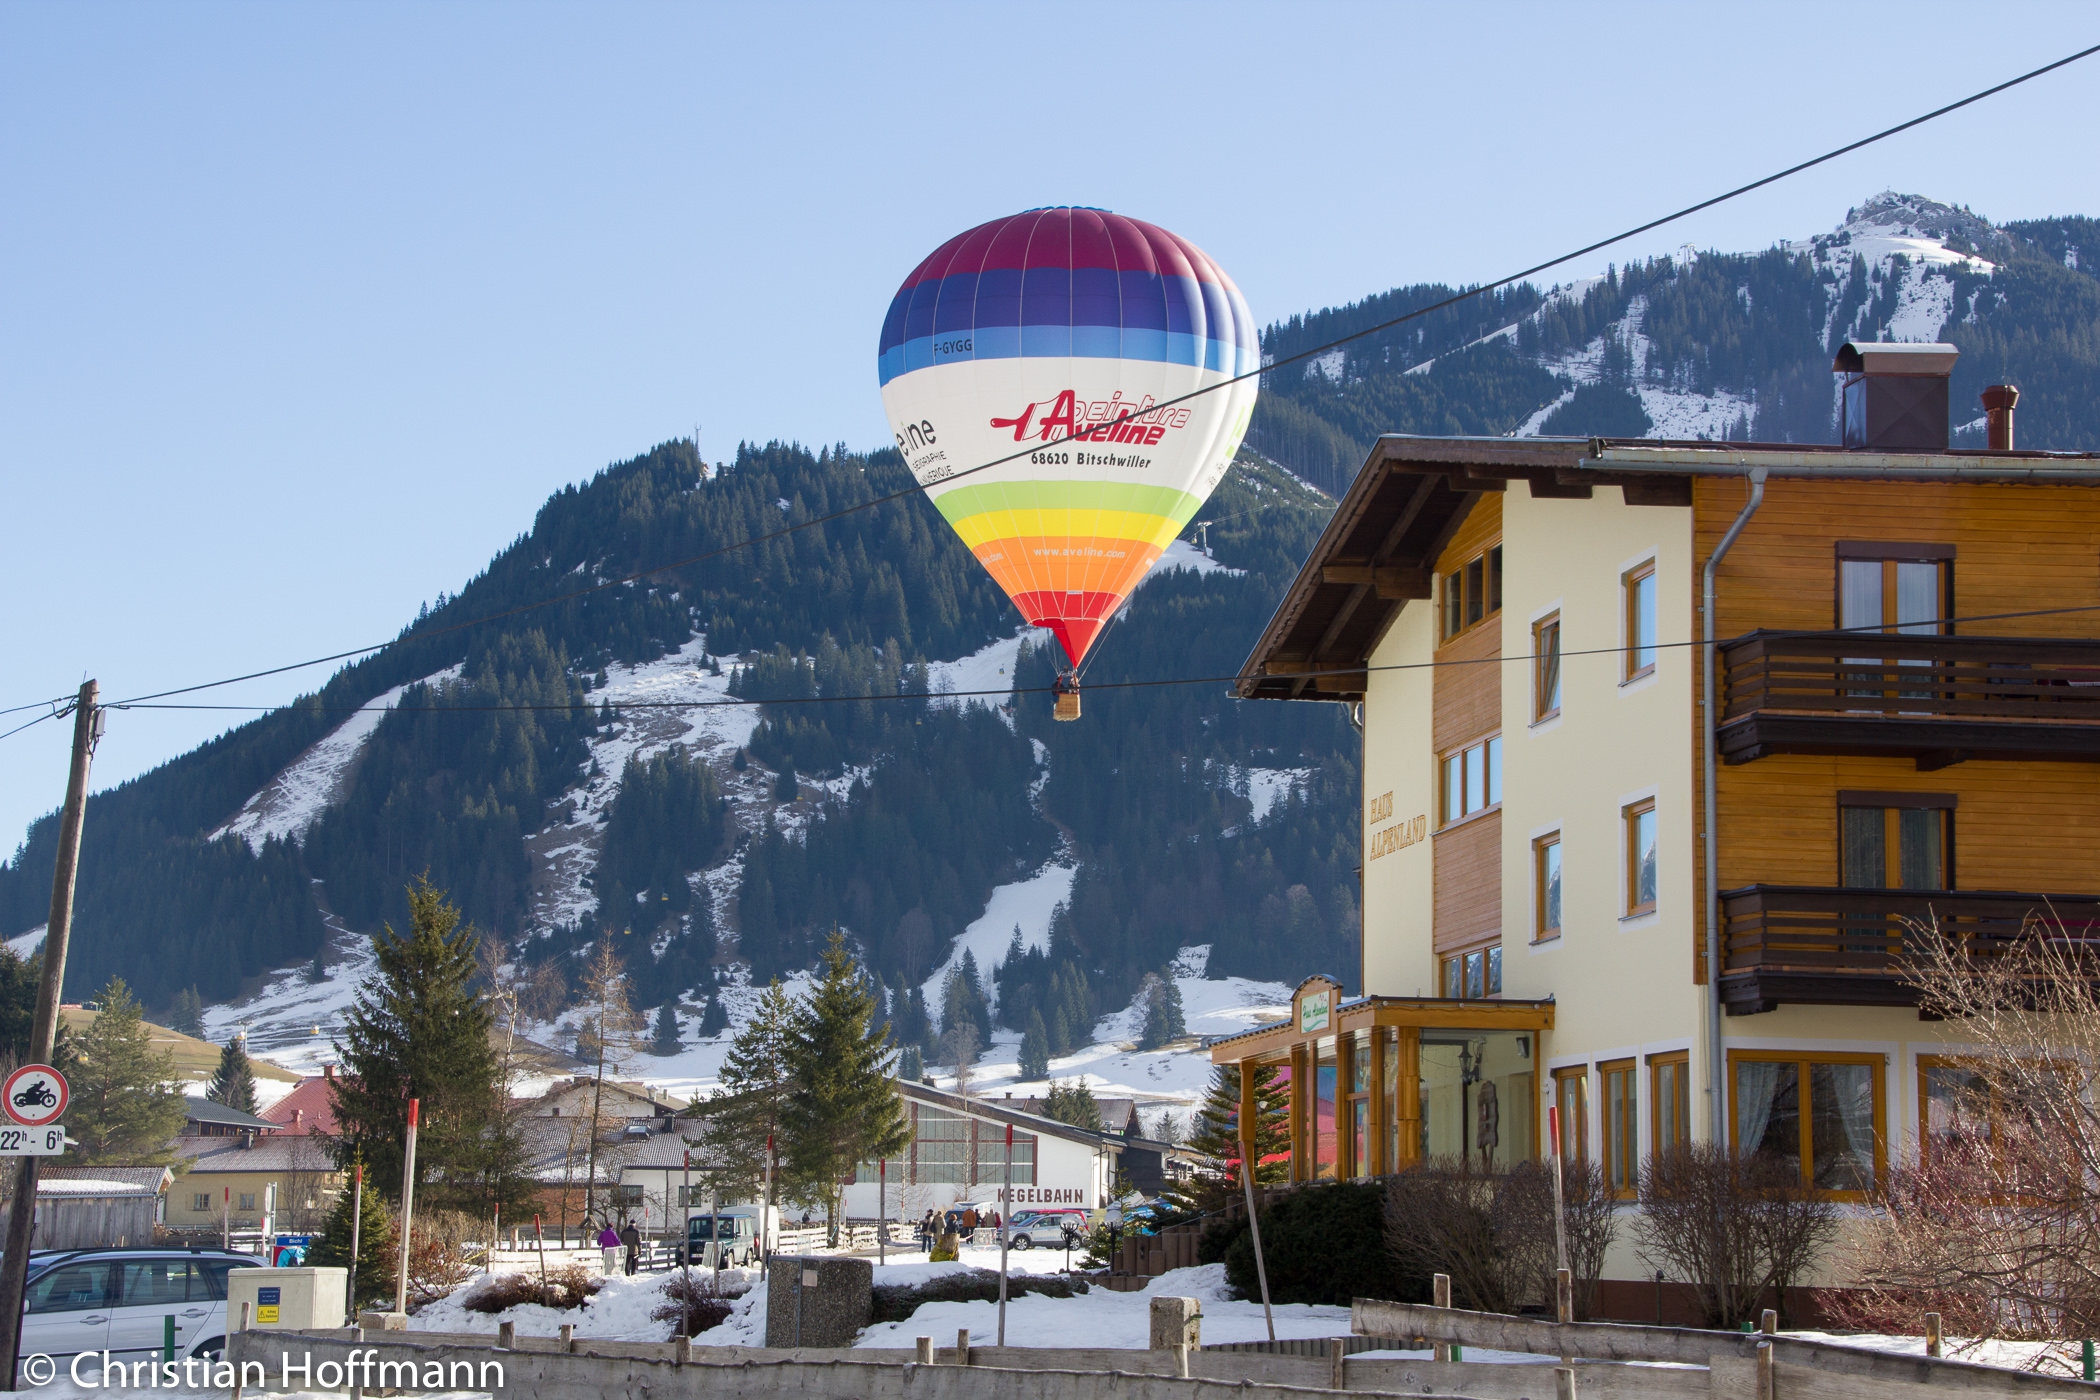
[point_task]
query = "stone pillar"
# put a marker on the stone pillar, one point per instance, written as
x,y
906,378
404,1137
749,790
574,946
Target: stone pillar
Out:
x,y
1177,1322
818,1300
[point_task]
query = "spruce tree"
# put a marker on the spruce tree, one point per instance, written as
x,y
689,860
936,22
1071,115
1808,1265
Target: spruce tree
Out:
x,y
911,1064
419,1029
663,1041
234,1083
785,788
1072,1103
714,1018
1035,1048
1216,1128
842,1106
127,1102
745,1111
376,1258
1160,1000
188,1014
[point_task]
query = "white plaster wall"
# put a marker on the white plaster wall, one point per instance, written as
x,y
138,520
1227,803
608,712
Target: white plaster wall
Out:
x,y
1400,758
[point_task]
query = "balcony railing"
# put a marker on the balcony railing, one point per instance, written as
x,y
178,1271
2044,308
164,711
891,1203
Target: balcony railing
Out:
x,y
1938,699
1846,947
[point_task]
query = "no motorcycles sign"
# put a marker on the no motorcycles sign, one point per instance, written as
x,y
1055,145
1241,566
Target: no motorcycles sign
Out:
x,y
35,1095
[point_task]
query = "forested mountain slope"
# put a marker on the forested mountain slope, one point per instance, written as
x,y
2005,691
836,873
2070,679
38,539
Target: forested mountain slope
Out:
x,y
1712,345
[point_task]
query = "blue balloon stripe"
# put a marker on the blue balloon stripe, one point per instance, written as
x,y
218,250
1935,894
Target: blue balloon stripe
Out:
x,y
1046,296
1084,342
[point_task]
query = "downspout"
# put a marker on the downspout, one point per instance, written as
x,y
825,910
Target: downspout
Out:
x,y
1363,920
1716,1065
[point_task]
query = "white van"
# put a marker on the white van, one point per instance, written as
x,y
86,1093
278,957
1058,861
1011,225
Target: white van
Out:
x,y
120,1300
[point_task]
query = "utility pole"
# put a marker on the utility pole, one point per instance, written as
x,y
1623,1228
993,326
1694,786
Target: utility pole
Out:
x,y
21,1220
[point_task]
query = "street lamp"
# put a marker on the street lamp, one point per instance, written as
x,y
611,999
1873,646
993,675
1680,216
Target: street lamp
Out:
x,y
1114,1218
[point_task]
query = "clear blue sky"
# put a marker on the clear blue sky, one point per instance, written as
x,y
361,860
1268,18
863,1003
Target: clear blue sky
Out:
x,y
308,307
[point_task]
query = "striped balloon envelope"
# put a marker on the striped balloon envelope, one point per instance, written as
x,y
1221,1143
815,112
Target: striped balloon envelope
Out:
x,y
1065,335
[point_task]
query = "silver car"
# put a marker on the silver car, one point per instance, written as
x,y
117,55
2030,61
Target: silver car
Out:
x,y
120,1301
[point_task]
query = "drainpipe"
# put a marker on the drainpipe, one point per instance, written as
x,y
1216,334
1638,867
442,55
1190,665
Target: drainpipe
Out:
x,y
1716,1064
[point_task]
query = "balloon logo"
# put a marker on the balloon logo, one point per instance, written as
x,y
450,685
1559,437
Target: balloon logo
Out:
x,y
1064,334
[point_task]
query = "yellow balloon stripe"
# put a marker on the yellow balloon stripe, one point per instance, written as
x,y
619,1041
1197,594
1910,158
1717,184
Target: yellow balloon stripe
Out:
x,y
1067,524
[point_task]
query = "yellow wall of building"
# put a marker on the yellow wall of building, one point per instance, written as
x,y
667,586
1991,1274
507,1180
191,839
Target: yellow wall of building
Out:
x,y
1399,795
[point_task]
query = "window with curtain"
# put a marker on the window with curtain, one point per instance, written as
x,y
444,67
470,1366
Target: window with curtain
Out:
x,y
1545,668
1894,589
1621,1128
1639,585
1896,840
1670,1090
1571,1093
1818,1114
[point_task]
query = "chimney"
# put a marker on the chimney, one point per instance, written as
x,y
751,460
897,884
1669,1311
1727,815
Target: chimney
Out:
x,y
1895,395
298,1116
1998,403
328,1071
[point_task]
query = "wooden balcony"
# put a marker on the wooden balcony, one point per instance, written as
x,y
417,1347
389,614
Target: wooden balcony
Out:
x,y
1937,700
1786,944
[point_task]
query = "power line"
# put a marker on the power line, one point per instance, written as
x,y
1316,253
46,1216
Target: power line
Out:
x,y
1864,631
1382,326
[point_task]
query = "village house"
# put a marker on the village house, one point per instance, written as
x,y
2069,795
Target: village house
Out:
x,y
1582,887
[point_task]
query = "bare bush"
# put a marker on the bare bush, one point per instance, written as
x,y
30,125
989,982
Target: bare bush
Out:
x,y
691,1301
1733,1224
1995,1223
440,1253
565,1288
1493,1231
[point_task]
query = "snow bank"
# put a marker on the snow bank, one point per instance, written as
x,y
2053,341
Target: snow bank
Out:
x,y
1027,903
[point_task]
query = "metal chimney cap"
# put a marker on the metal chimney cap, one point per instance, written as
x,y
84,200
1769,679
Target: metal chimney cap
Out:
x,y
1892,357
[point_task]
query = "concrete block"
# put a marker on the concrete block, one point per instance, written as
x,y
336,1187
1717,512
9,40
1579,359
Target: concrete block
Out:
x,y
818,1300
1177,1322
383,1321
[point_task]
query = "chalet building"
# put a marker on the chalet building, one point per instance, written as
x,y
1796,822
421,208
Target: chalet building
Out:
x,y
1582,887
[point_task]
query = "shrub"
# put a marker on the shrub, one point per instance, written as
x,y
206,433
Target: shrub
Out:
x,y
1734,1224
1322,1244
895,1302
944,1249
565,1288
438,1254
1493,1231
701,1306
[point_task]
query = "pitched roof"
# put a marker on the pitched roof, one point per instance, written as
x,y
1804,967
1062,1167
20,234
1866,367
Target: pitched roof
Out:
x,y
289,1152
198,1110
103,1181
309,1108
1003,1111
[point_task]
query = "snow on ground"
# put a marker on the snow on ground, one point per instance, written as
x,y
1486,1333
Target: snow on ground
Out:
x,y
989,669
1268,786
1027,903
1680,415
26,944
1182,555
617,1312
290,803
282,1019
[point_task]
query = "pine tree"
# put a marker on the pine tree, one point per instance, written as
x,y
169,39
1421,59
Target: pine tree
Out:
x,y
1217,1127
419,1029
664,1040
739,763
714,1019
188,1015
1035,1048
317,970
1060,1033
842,1107
1163,1021
911,1064
745,1111
127,1102
376,1257
1072,1103
785,788
234,1084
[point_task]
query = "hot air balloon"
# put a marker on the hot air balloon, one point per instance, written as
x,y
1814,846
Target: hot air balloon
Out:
x,y
1065,335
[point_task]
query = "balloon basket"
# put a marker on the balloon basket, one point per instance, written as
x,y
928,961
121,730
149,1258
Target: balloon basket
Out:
x,y
1067,703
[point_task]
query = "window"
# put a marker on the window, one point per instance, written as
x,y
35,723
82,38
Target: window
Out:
x,y
1670,1090
626,1197
1957,1103
1545,867
1358,1049
1545,668
164,1281
941,1148
73,1288
1471,976
1571,1091
1640,621
1640,857
247,1201
1472,779
1820,1114
1622,1143
1895,587
1896,840
1324,1084
1473,592
200,1201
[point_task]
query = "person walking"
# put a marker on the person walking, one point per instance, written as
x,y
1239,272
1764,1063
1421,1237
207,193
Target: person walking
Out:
x,y
609,1247
631,1238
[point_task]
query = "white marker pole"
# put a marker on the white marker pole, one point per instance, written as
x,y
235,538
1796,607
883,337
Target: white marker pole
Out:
x,y
408,1206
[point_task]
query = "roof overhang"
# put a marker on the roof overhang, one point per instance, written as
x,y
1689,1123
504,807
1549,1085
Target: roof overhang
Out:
x,y
1274,1041
1379,551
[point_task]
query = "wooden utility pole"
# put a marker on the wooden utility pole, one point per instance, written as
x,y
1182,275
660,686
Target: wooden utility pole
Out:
x,y
21,1219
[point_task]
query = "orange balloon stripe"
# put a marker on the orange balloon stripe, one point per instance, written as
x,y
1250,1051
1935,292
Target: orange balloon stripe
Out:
x,y
1073,563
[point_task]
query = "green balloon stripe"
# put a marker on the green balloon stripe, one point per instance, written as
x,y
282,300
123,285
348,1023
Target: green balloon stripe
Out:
x,y
963,502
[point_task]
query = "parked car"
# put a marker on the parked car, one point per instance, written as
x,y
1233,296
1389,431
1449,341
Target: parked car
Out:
x,y
1046,1228
737,1231
117,1300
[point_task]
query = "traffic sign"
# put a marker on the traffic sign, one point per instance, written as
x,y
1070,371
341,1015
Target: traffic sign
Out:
x,y
35,1095
47,1141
